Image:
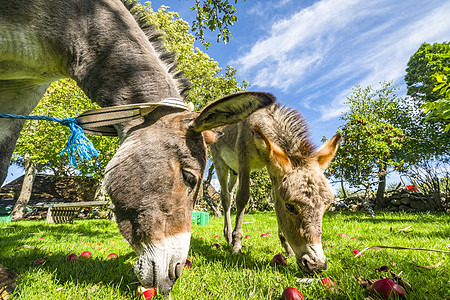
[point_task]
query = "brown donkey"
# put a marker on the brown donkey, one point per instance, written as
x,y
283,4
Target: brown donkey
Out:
x,y
155,176
277,138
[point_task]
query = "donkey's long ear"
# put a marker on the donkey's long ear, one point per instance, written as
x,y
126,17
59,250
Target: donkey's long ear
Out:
x,y
230,109
326,153
277,156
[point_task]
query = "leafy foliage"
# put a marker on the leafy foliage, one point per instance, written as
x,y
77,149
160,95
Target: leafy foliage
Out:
x,y
427,80
439,109
208,81
213,15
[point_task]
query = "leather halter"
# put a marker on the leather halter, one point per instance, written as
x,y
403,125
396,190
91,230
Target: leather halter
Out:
x,y
100,121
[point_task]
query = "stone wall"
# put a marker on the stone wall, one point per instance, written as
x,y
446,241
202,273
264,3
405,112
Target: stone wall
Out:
x,y
401,199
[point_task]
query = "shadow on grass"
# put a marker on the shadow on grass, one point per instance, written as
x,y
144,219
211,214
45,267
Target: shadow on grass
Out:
x,y
115,272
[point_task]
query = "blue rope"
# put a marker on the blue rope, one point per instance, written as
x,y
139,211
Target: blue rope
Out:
x,y
77,142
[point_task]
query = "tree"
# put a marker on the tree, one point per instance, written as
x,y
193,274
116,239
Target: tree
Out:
x,y
426,79
439,109
40,143
214,15
370,137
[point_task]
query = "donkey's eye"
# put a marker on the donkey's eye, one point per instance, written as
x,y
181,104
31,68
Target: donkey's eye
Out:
x,y
189,178
291,208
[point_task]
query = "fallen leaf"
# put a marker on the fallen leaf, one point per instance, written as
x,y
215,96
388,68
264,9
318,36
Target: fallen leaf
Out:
x,y
382,269
433,266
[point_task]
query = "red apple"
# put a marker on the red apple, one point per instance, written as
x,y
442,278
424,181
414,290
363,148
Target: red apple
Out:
x,y
112,256
147,294
386,288
247,236
355,252
216,245
216,237
268,234
72,257
291,293
329,284
263,235
86,254
39,261
188,264
343,235
279,260
41,238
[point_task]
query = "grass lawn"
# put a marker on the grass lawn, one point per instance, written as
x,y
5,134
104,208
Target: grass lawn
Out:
x,y
216,273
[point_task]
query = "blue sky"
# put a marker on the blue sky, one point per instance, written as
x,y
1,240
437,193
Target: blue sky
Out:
x,y
310,54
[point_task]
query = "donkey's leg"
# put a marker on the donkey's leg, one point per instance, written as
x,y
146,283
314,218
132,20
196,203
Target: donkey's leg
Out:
x,y
15,98
242,198
284,243
222,175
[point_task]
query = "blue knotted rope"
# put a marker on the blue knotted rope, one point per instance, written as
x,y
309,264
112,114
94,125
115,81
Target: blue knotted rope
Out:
x,y
77,142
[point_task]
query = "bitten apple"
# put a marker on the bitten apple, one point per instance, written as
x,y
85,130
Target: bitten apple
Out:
x,y
291,293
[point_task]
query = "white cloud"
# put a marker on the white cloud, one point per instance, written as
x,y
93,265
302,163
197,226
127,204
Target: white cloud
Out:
x,y
323,50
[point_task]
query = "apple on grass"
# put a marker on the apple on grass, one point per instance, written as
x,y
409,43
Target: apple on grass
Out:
x,y
291,293
188,263
387,289
329,284
146,294
343,235
112,256
247,236
39,261
72,257
86,254
356,252
279,260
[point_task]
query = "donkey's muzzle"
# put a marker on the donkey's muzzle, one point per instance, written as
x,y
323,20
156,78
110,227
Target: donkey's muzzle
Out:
x,y
161,264
312,259
311,266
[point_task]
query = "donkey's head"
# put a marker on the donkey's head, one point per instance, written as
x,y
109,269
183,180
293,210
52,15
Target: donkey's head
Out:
x,y
302,194
155,176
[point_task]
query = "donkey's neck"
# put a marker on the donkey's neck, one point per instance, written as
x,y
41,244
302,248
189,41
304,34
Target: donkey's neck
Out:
x,y
113,60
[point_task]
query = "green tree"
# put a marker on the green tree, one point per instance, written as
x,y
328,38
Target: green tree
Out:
x,y
439,109
371,136
208,81
426,79
214,15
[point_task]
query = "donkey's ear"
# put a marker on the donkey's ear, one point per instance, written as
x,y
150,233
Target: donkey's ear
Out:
x,y
326,153
230,109
276,155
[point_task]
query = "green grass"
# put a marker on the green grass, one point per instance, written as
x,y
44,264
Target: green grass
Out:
x,y
216,273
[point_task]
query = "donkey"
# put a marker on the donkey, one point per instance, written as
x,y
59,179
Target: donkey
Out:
x,y
276,137
154,178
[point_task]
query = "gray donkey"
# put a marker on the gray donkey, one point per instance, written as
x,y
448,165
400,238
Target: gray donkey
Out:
x,y
276,137
154,178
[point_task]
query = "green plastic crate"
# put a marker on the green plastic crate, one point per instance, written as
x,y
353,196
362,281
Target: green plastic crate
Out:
x,y
200,218
5,219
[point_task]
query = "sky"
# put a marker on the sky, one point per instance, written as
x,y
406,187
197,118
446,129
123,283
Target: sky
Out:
x,y
310,54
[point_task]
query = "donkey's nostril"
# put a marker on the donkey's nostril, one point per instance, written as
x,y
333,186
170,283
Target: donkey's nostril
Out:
x,y
178,270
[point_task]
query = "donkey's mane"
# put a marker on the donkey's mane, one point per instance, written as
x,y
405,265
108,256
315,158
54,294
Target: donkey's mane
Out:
x,y
156,39
289,130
